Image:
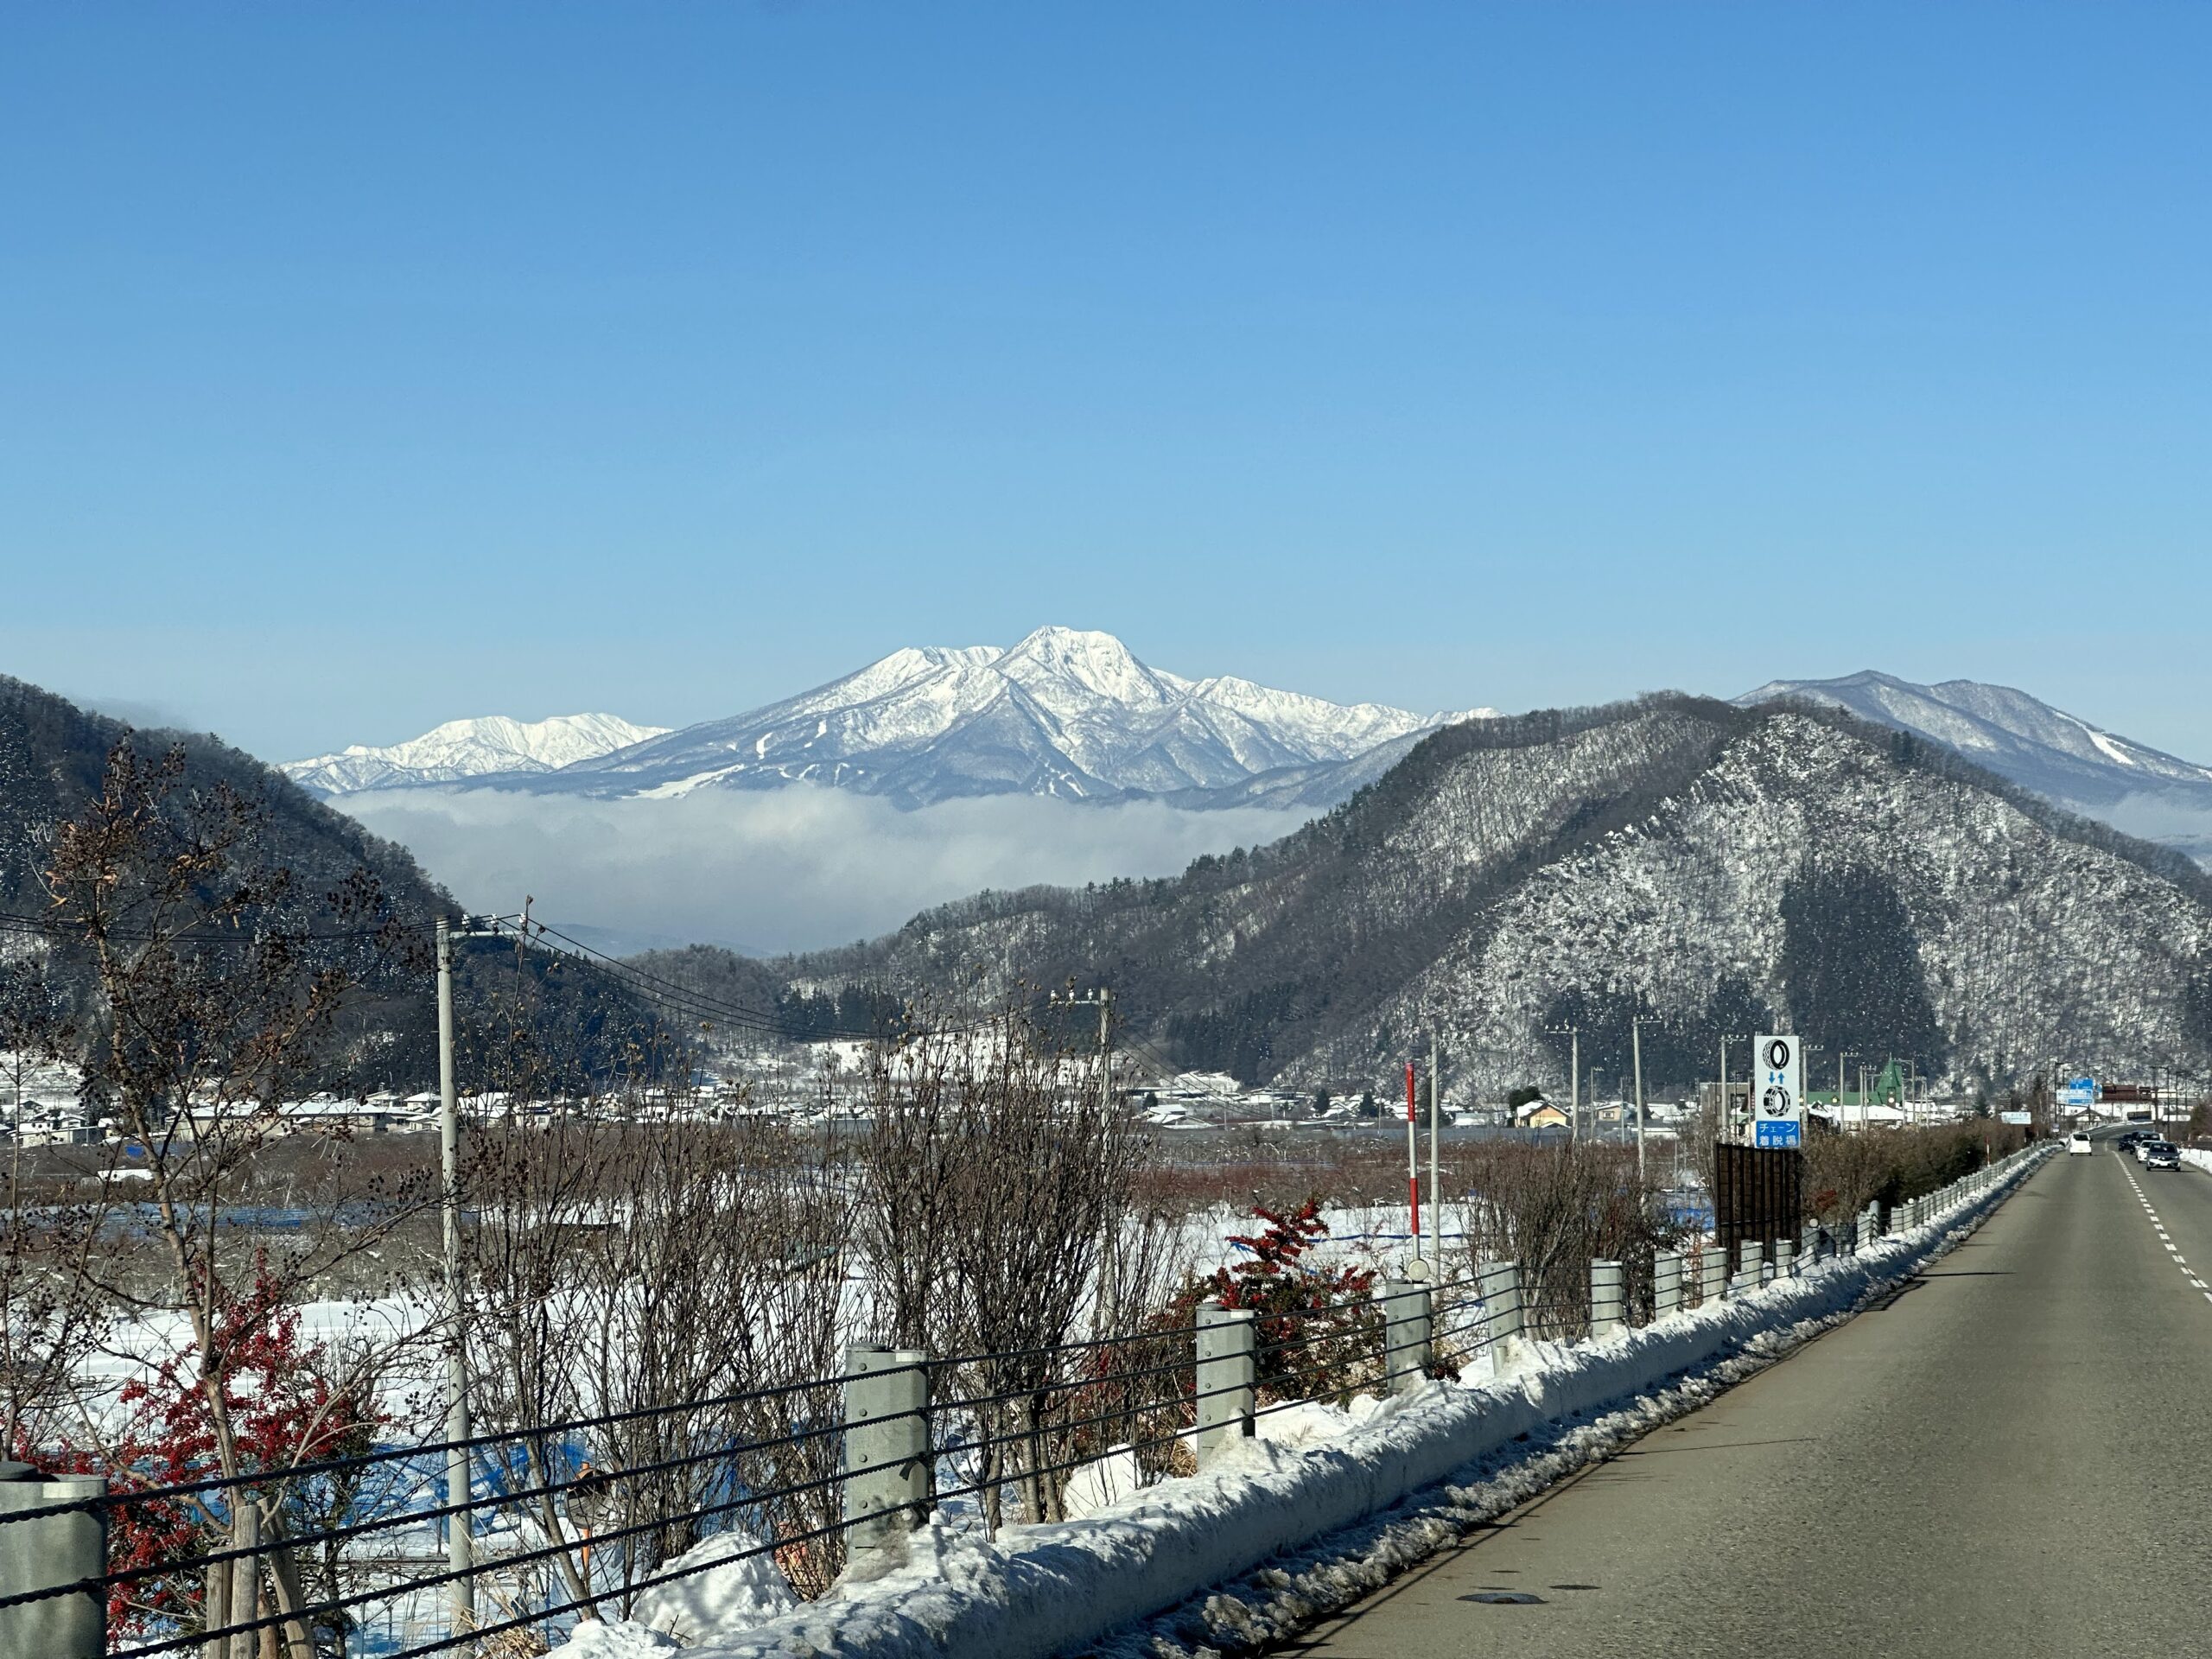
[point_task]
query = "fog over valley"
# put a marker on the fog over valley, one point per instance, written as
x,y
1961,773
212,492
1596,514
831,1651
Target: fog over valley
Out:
x,y
787,870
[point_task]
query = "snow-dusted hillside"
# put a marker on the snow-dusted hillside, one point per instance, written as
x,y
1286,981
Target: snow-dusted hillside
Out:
x,y
463,749
1711,868
2060,756
1062,712
2012,942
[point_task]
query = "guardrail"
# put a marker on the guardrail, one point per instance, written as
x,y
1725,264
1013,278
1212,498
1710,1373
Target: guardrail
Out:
x,y
860,1460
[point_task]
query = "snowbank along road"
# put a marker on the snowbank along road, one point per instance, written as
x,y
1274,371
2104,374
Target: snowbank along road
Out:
x,y
1255,1547
2003,1457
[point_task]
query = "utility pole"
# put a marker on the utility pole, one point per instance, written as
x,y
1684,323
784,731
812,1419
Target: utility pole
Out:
x,y
460,1542
1435,1131
460,1551
1727,1129
1573,1084
1413,1171
1635,1047
1573,1033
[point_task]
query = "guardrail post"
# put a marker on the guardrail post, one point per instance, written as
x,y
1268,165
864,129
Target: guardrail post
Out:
x,y
55,1549
1809,1248
215,1609
887,1453
1785,1258
246,1577
1504,1312
1408,1325
1666,1283
1712,1274
1228,1379
1750,1266
1608,1303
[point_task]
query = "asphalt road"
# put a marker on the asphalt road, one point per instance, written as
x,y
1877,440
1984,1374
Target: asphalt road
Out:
x,y
2012,1456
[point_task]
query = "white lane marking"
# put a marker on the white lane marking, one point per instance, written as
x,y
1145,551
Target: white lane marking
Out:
x,y
2165,1237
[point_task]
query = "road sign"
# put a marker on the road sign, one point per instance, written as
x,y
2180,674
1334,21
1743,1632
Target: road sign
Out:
x,y
2014,1117
2082,1091
1778,1091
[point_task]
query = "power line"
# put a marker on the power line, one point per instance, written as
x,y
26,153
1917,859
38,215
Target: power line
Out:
x,y
14,922
703,1005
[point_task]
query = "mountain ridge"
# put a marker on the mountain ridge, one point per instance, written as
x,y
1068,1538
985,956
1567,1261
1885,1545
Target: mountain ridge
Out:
x,y
459,750
1062,712
2057,756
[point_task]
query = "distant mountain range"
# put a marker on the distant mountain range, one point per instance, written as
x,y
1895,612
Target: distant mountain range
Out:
x,y
1063,713
463,749
1706,867
2025,741
1077,715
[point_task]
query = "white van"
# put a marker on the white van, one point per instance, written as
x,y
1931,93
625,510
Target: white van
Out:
x,y
2079,1141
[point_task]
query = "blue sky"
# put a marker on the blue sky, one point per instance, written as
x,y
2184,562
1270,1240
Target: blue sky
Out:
x,y
366,365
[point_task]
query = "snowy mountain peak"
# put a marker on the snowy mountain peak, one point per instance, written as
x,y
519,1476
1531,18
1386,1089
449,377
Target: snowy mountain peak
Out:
x,y
462,749
1063,711
903,668
1067,666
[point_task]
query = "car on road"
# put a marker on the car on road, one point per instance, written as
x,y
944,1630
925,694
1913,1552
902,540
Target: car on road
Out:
x,y
2161,1154
2080,1142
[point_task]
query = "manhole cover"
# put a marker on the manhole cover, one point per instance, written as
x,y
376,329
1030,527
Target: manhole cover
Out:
x,y
1504,1598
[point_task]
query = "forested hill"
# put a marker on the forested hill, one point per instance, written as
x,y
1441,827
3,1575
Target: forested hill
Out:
x,y
53,755
1714,868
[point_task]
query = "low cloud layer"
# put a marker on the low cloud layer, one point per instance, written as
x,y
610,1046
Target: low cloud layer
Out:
x,y
2182,819
792,869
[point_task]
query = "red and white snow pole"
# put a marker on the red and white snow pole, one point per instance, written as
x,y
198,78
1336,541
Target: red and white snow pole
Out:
x,y
1413,1161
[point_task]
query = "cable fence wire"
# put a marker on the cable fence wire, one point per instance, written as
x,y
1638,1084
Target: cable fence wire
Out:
x,y
552,1530
589,1515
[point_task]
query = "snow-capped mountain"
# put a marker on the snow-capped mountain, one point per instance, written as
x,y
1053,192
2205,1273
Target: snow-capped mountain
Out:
x,y
464,749
2024,740
1062,712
